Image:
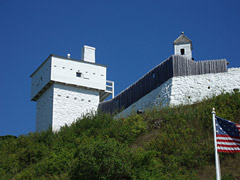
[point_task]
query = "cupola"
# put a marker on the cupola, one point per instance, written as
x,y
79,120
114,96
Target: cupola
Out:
x,y
183,46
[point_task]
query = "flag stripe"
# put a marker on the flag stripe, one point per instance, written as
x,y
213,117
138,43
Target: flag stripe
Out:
x,y
228,146
223,140
229,143
226,136
228,151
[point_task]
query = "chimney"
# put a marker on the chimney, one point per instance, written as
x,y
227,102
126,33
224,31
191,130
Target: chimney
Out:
x,y
88,54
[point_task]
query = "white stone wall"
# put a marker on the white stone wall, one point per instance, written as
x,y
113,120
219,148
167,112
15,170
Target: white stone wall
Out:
x,y
191,89
44,110
158,97
71,102
187,90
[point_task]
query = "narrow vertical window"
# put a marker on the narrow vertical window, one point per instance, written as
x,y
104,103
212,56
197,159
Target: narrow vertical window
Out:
x,y
153,75
182,51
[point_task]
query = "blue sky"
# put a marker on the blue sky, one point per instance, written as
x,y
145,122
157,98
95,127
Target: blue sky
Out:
x,y
130,36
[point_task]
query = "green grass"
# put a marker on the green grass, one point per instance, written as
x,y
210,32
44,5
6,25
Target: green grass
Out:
x,y
171,143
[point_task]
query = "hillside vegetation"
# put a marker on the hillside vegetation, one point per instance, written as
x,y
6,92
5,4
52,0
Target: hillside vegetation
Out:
x,y
172,143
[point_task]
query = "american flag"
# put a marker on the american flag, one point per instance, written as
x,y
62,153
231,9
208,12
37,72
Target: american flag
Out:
x,y
227,136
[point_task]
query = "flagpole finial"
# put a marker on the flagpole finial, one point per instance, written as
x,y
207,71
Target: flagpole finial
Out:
x,y
213,110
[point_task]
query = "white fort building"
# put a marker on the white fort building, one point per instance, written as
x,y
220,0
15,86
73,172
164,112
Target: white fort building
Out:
x,y
65,89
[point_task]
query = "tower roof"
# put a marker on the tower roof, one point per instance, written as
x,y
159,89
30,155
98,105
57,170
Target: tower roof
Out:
x,y
182,39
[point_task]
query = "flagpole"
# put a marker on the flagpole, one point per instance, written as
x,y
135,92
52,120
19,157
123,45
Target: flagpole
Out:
x,y
217,163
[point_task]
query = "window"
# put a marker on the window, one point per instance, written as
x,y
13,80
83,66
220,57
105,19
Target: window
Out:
x,y
236,90
78,74
153,75
182,51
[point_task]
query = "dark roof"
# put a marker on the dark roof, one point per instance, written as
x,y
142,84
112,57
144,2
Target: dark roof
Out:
x,y
182,39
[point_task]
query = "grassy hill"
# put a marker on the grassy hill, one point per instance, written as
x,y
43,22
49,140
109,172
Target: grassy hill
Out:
x,y
172,143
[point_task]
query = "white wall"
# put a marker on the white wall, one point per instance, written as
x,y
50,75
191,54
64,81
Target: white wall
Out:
x,y
187,90
191,89
40,78
69,97
187,49
64,70
72,102
44,110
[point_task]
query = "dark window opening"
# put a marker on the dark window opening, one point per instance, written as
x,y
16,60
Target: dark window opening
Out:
x,y
182,51
236,90
78,74
208,87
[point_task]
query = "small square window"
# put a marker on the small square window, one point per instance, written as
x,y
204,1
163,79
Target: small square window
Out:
x,y
78,74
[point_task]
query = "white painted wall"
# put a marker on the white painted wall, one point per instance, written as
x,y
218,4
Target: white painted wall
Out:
x,y
70,103
187,49
44,110
187,90
192,89
41,78
64,71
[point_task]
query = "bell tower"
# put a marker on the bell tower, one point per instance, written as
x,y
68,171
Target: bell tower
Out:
x,y
183,46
